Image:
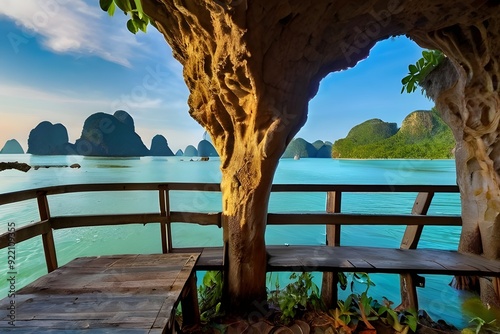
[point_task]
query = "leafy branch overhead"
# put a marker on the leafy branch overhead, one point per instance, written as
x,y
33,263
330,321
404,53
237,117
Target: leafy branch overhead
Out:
x,y
138,20
418,71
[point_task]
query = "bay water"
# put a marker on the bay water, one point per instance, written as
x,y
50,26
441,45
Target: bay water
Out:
x,y
437,298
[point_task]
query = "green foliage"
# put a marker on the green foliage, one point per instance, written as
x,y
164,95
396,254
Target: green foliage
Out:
x,y
418,71
483,319
138,19
372,131
210,295
436,142
299,295
359,309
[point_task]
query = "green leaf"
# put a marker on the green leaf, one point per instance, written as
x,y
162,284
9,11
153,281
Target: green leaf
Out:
x,y
138,6
105,4
125,6
413,69
132,27
427,55
421,63
111,9
140,24
207,279
405,80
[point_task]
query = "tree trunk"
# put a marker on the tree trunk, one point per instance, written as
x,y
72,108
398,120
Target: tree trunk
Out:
x,y
246,184
466,92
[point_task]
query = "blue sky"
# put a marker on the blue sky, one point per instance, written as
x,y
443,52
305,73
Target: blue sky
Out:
x,y
63,60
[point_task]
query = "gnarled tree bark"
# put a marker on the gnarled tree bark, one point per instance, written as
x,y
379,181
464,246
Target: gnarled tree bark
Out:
x,y
466,91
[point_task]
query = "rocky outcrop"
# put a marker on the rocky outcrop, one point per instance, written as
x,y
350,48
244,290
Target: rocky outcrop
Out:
x,y
300,148
48,139
179,153
206,149
159,147
420,124
12,146
23,167
190,151
110,135
466,90
325,150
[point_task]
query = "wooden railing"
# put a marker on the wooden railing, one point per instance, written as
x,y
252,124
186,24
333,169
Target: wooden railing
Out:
x,y
333,217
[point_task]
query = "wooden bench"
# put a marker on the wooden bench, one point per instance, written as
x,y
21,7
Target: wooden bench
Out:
x,y
122,293
364,259
326,259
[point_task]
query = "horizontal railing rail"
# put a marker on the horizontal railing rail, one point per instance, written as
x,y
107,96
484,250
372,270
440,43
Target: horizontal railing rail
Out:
x,y
215,218
22,195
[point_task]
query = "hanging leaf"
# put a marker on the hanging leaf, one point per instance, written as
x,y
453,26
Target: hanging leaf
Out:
x,y
138,19
111,9
105,4
419,70
124,5
132,27
138,7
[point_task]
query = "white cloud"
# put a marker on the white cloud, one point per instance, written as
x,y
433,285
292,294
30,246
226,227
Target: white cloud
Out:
x,y
36,95
73,27
138,104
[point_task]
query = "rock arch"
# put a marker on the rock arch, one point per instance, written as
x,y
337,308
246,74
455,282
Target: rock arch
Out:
x,y
252,66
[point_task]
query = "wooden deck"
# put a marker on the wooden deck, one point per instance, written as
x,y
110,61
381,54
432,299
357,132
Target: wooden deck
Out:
x,y
408,260
119,293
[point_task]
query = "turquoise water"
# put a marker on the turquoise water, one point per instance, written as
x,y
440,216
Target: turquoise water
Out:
x,y
440,300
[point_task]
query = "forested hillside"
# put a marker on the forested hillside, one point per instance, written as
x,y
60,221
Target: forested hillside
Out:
x,y
423,135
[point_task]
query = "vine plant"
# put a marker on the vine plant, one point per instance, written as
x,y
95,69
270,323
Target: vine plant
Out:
x,y
418,71
138,19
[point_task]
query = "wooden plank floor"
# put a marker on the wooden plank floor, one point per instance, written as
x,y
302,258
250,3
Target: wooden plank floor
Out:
x,y
119,293
379,260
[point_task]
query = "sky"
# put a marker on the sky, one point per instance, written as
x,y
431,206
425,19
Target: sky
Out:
x,y
61,61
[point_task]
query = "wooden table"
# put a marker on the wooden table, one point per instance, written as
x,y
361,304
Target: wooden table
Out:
x,y
117,293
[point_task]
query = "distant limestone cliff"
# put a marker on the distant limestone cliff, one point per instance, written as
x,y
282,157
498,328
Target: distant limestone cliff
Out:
x,y
12,146
103,135
190,151
300,148
206,149
48,139
423,135
159,147
110,135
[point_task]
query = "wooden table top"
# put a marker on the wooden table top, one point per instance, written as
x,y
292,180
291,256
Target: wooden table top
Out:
x,y
118,293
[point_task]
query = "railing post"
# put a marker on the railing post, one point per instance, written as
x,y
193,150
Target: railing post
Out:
x,y
166,231
189,303
411,237
329,286
47,238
